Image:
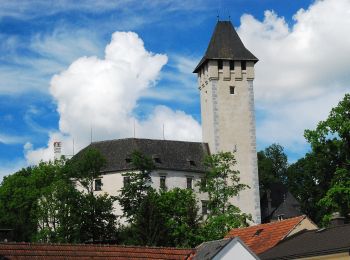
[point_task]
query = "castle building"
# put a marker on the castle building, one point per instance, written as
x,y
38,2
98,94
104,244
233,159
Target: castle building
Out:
x,y
225,78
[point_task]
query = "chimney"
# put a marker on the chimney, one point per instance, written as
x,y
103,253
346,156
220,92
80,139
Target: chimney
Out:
x,y
337,220
57,150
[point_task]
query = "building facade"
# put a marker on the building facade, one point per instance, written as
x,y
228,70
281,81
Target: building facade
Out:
x,y
225,78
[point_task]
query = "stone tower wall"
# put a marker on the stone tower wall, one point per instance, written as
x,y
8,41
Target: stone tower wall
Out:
x,y
228,123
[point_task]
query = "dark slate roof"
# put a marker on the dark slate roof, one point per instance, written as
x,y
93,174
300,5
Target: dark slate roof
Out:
x,y
208,250
173,155
225,44
312,243
282,203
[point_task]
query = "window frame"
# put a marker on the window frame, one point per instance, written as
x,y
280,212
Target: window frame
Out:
x,y
162,182
98,184
204,207
189,185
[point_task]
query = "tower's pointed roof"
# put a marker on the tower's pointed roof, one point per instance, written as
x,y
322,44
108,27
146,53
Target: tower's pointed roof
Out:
x,y
225,44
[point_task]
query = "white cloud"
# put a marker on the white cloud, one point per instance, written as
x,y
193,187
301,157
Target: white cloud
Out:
x,y
11,139
303,69
101,94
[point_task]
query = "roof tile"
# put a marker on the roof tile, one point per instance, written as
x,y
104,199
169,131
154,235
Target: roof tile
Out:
x,y
268,236
82,251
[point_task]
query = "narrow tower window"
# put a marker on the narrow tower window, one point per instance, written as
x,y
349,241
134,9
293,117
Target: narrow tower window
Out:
x,y
232,65
232,90
220,64
244,65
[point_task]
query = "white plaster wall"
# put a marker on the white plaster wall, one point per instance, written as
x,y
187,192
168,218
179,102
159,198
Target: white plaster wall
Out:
x,y
112,183
234,250
228,124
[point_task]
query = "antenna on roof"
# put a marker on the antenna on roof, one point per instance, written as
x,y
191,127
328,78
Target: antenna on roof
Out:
x,y
73,146
134,129
217,15
163,133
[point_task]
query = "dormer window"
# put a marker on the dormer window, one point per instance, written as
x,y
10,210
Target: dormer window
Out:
x,y
244,65
232,65
156,158
220,64
191,162
128,160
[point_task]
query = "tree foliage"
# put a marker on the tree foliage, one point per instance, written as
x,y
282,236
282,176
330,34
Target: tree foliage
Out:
x,y
272,167
156,217
42,203
332,137
222,183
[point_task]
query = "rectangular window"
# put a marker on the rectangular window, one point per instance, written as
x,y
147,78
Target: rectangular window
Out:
x,y
232,65
189,182
220,64
203,182
126,180
98,184
162,182
232,90
204,207
244,65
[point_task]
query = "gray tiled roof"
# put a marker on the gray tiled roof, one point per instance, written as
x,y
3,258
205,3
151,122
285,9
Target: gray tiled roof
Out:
x,y
225,44
173,155
208,250
311,243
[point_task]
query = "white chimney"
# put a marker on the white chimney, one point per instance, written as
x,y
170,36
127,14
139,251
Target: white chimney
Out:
x,y
57,150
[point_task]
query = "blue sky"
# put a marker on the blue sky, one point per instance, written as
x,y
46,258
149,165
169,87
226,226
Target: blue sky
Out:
x,y
302,46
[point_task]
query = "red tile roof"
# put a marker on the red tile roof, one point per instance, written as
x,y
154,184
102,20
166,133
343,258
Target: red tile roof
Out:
x,y
260,238
70,251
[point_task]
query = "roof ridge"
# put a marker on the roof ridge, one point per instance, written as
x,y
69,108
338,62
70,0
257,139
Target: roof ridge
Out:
x,y
272,223
92,245
302,218
147,139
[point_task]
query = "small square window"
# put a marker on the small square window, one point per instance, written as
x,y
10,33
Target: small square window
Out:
x,y
162,182
98,184
244,65
220,64
232,90
189,182
204,207
156,158
232,65
191,162
126,181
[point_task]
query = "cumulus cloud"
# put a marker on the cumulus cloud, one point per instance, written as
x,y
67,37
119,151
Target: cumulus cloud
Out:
x,y
99,96
303,69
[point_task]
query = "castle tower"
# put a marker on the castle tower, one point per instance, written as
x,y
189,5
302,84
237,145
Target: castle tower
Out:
x,y
225,78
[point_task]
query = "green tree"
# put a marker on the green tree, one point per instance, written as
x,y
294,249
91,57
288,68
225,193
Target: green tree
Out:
x,y
138,186
20,194
95,212
179,212
222,182
334,132
272,167
156,218
17,202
